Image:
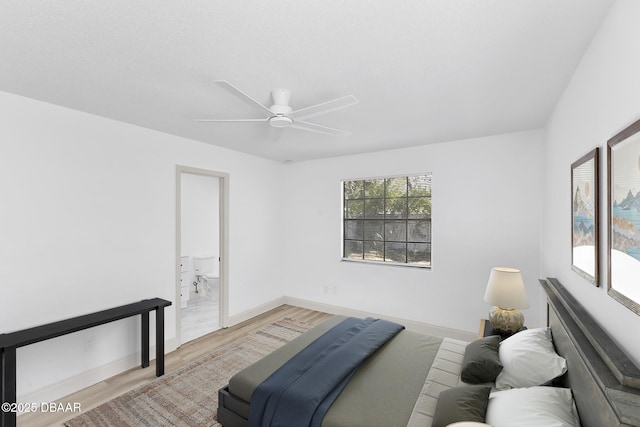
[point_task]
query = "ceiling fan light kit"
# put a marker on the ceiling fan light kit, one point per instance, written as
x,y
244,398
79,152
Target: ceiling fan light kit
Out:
x,y
281,115
280,122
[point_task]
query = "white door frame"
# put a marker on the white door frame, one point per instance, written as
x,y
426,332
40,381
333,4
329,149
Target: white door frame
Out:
x,y
223,240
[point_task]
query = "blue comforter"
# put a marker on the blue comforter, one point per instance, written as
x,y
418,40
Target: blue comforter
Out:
x,y
301,391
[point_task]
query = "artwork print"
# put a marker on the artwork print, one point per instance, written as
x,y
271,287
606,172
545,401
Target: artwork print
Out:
x,y
624,217
584,217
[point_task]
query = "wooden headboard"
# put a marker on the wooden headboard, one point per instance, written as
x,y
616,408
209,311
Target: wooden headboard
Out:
x,y
604,381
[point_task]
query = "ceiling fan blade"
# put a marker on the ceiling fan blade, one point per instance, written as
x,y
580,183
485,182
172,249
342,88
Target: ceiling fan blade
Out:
x,y
323,108
312,127
231,120
246,98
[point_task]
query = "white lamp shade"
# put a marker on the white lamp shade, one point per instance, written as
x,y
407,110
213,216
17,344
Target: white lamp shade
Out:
x,y
506,289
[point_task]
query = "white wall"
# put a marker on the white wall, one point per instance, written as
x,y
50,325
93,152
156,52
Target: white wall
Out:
x,y
88,223
200,217
602,98
486,213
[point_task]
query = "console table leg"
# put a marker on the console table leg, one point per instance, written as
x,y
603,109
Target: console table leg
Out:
x,y
145,340
8,376
159,341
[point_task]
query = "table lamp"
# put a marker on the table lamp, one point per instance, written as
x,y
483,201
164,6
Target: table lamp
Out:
x,y
505,291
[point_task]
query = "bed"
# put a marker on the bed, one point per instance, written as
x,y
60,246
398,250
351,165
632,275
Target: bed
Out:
x,y
413,377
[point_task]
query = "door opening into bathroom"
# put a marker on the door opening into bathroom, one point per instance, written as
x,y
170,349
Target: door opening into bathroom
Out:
x,y
201,244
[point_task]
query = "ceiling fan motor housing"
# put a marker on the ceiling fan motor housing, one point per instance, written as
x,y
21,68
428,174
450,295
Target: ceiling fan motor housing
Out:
x,y
281,96
280,108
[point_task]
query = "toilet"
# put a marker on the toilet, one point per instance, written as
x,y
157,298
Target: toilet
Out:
x,y
206,273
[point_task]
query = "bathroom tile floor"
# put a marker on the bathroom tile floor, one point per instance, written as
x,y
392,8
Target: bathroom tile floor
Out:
x,y
200,317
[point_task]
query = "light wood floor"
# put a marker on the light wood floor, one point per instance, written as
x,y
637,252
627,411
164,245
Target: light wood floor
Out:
x,y
108,389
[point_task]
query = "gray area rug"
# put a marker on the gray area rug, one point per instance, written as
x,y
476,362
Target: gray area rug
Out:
x,y
189,396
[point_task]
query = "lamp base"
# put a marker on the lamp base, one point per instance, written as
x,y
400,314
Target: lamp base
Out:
x,y
505,321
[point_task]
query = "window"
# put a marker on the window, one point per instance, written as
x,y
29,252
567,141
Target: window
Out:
x,y
388,220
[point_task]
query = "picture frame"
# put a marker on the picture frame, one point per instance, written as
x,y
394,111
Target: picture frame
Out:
x,y
585,223
623,164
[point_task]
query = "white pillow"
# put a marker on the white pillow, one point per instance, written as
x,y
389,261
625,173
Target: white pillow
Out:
x,y
532,407
529,359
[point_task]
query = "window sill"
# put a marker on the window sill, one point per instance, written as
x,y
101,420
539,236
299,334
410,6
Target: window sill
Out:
x,y
387,263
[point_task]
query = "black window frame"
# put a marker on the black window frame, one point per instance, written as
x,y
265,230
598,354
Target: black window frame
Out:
x,y
370,219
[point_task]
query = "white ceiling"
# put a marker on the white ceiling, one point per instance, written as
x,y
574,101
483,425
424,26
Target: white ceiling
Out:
x,y
424,71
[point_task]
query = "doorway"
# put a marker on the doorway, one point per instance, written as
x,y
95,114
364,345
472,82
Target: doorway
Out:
x,y
201,224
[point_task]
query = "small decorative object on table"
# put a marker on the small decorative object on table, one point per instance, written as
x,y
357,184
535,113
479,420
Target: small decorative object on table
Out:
x,y
487,330
505,291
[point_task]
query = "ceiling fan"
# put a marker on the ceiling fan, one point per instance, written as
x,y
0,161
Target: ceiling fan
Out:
x,y
281,115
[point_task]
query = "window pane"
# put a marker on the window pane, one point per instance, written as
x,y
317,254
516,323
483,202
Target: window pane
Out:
x,y
373,251
353,249
395,252
396,231
419,185
353,229
396,187
353,189
374,208
397,208
374,188
420,207
374,230
419,253
419,231
354,208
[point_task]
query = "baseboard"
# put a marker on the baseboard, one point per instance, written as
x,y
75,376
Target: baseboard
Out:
x,y
423,328
255,311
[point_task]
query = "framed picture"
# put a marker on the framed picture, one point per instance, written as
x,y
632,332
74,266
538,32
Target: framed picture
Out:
x,y
585,230
623,155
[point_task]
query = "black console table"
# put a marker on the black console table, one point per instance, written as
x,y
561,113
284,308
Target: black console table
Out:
x,y
9,342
